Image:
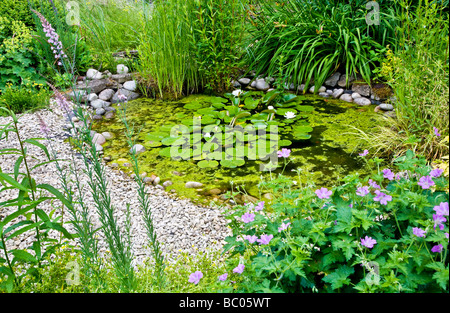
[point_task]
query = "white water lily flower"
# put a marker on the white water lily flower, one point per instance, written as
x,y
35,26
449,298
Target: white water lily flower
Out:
x,y
207,135
237,92
270,107
289,115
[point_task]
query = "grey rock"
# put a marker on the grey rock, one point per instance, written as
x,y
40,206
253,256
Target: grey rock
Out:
x,y
98,147
121,78
147,180
346,97
362,89
100,111
99,139
106,94
324,94
77,95
167,183
156,181
130,85
109,115
386,107
301,88
333,80
362,101
244,81
93,74
107,135
92,97
98,104
97,117
355,95
321,89
193,184
110,109
262,85
96,86
138,148
235,84
122,69
253,84
337,93
129,94
342,83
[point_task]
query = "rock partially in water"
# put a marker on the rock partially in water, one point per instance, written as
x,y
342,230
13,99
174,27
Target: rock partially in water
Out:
x,y
193,184
386,107
346,97
362,101
137,148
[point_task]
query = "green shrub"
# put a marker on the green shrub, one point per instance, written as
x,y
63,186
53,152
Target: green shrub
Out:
x,y
17,62
24,98
355,237
19,10
217,29
314,39
417,70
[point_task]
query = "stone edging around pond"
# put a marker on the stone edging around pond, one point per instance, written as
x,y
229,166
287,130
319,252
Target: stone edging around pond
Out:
x,y
100,89
334,87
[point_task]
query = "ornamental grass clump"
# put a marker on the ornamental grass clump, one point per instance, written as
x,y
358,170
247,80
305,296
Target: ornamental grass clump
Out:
x,y
366,234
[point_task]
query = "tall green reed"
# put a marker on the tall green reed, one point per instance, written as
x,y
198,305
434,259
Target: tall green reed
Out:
x,y
316,38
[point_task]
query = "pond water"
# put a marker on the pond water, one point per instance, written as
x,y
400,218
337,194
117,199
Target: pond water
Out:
x,y
326,152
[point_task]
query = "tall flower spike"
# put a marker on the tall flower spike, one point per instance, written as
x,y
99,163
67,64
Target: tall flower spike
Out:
x,y
53,38
44,128
61,100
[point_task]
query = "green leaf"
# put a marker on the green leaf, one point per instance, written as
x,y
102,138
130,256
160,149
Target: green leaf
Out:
x,y
17,167
339,278
56,193
24,256
34,141
12,182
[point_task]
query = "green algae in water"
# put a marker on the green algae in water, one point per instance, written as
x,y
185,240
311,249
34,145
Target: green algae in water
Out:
x,y
325,155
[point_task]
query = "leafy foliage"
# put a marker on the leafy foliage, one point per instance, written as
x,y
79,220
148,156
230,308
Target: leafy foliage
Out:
x,y
318,243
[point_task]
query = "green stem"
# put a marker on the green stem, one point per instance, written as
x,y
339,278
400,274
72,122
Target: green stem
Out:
x,y
8,261
22,152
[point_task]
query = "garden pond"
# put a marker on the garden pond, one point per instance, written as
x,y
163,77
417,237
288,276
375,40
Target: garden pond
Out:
x,y
320,132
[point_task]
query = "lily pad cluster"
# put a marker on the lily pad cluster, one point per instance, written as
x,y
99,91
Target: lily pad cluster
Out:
x,y
230,130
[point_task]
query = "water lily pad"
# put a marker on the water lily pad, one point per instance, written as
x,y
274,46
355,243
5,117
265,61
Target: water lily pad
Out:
x,y
284,143
166,128
207,111
193,106
153,144
301,136
218,99
232,163
250,103
156,136
208,164
168,141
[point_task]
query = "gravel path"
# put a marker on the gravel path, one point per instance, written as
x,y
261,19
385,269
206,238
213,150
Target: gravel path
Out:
x,y
181,226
